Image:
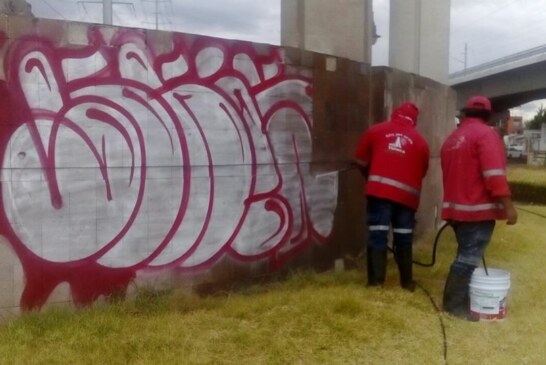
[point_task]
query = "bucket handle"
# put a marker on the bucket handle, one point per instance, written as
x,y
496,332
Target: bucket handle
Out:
x,y
484,265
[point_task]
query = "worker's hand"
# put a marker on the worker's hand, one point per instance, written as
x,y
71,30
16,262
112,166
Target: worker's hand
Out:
x,y
511,215
362,167
511,212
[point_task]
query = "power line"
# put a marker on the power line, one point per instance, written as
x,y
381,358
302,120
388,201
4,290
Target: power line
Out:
x,y
54,9
115,13
503,7
480,16
483,48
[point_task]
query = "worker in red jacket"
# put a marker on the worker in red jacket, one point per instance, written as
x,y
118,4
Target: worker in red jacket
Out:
x,y
393,157
476,194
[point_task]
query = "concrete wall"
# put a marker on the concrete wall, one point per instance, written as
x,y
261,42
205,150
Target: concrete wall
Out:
x,y
134,158
138,158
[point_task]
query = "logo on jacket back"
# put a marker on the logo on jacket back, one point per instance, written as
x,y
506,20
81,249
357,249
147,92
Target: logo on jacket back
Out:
x,y
455,144
399,141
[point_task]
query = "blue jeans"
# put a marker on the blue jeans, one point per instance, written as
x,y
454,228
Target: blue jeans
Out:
x,y
472,240
384,213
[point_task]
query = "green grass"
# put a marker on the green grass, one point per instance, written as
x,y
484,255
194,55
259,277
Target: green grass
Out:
x,y
527,174
521,338
328,318
309,319
528,184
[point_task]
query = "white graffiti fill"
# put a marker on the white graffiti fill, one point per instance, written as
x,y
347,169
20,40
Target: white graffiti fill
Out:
x,y
134,160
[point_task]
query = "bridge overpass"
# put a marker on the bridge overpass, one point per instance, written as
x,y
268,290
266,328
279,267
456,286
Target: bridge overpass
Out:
x,y
509,81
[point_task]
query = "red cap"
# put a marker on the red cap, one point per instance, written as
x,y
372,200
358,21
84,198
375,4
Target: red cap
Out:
x,y
408,111
478,103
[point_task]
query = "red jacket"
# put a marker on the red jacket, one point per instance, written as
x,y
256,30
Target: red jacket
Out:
x,y
397,157
474,173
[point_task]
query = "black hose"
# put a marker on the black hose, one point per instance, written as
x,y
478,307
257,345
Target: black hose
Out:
x,y
427,293
436,307
531,212
440,318
434,247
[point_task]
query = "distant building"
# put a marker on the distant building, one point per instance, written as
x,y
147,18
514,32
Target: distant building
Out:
x,y
518,141
515,125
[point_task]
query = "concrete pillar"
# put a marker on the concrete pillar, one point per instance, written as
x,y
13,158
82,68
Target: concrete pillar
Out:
x,y
340,28
107,12
15,7
419,37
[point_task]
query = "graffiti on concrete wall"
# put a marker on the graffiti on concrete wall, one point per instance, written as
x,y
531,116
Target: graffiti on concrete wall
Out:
x,y
119,159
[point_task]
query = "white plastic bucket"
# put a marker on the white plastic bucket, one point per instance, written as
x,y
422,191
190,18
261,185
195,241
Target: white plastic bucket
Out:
x,y
488,293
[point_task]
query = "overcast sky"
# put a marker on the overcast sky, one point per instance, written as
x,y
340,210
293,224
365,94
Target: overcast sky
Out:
x,y
490,29
252,20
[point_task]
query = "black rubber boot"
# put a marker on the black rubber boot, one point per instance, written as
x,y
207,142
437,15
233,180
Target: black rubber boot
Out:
x,y
456,294
377,266
404,260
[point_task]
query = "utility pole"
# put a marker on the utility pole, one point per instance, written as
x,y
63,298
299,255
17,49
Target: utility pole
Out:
x,y
465,55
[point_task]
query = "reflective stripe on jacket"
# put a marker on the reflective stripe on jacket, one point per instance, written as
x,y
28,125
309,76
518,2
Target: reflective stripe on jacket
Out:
x,y
397,156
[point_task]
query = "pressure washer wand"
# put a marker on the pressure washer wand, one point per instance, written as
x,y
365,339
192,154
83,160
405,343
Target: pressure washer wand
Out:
x,y
344,169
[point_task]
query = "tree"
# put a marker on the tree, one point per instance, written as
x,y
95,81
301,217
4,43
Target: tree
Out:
x,y
538,119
